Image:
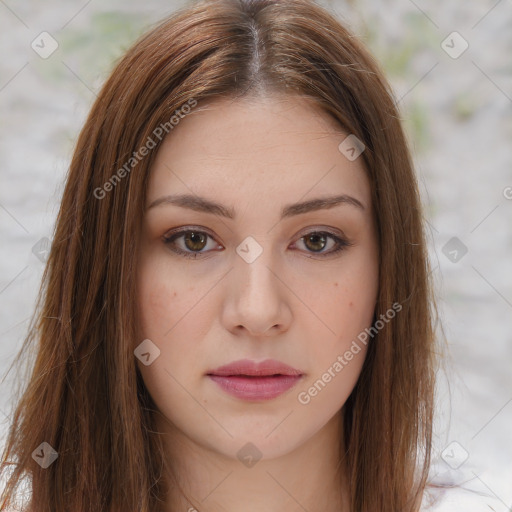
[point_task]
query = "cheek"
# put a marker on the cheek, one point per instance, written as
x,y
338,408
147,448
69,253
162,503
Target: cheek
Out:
x,y
346,306
170,310
338,359
163,297
165,318
156,299
349,299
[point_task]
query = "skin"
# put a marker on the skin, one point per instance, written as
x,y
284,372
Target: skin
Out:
x,y
291,304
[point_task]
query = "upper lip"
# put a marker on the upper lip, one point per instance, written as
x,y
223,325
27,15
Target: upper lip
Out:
x,y
248,367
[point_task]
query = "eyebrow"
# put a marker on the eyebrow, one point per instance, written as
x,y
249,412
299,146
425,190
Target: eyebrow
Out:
x,y
202,204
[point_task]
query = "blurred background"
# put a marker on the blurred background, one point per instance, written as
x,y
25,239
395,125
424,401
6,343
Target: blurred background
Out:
x,y
450,64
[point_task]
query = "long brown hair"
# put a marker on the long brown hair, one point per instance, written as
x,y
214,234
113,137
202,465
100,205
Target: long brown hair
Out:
x,y
85,396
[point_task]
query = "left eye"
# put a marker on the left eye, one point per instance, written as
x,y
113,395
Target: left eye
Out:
x,y
318,240
195,241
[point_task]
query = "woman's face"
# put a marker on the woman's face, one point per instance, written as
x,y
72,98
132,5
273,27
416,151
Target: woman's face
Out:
x,y
257,276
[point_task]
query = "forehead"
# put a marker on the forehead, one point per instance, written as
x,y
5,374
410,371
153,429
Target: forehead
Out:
x,y
276,146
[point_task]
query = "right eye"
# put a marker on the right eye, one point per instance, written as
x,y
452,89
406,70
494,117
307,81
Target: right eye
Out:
x,y
193,242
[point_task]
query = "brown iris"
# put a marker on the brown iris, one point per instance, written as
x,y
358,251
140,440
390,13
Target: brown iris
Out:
x,y
197,240
317,241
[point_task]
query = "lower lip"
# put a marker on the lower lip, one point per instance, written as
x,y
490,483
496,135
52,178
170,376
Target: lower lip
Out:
x,y
256,388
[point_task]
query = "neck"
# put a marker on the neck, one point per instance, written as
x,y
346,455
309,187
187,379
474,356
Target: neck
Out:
x,y
311,476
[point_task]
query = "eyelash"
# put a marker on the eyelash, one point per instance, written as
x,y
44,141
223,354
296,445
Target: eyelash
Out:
x,y
169,239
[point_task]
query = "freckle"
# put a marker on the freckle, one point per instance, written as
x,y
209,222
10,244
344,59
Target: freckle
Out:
x,y
175,294
335,284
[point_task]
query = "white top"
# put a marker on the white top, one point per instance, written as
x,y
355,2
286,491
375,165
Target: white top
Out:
x,y
462,500
468,493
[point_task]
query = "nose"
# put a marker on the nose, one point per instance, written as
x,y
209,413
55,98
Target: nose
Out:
x,y
257,299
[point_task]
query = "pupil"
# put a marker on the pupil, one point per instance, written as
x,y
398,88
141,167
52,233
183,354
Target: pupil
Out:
x,y
317,237
196,238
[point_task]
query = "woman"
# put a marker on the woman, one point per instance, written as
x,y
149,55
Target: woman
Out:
x,y
236,310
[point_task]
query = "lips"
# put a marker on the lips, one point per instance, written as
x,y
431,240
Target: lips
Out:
x,y
247,367
249,380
